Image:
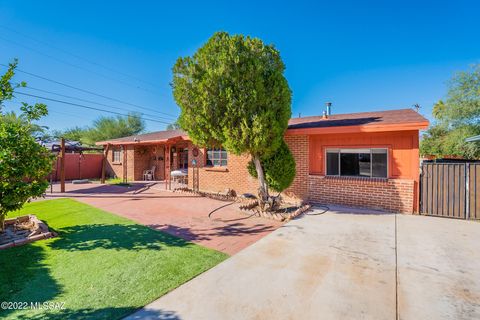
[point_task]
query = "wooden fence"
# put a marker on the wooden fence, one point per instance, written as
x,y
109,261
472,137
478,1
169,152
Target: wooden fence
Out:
x,y
450,190
79,166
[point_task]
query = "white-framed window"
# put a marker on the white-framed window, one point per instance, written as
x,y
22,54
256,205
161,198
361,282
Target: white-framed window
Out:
x,y
216,157
117,155
371,162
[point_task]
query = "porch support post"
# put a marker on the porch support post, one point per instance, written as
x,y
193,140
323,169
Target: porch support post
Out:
x,y
62,165
104,163
124,164
167,166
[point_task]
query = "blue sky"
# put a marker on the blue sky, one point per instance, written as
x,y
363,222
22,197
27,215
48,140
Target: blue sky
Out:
x,y
360,55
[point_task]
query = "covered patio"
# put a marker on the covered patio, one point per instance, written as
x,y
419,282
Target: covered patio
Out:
x,y
161,157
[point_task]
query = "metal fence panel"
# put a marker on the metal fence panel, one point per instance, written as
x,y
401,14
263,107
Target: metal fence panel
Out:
x,y
450,190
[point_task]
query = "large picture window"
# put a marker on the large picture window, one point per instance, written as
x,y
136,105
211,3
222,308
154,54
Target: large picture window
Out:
x,y
357,162
216,157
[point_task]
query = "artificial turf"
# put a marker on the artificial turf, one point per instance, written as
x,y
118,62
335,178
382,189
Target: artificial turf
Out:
x,y
101,266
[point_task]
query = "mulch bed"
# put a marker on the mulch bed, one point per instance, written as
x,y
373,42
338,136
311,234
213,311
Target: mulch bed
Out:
x,y
250,206
22,230
286,213
211,195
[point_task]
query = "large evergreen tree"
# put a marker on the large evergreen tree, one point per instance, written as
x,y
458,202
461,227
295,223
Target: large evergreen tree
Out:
x,y
279,168
233,93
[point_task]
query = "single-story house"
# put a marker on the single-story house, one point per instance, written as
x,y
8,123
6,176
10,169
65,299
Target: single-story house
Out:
x,y
367,159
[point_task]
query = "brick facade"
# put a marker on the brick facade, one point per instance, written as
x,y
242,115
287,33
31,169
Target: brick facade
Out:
x,y
299,147
393,195
218,179
396,194
115,169
139,158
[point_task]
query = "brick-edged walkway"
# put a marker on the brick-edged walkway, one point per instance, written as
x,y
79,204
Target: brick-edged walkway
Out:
x,y
183,215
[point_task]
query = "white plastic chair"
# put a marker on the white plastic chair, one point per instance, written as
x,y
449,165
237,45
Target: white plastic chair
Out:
x,y
149,175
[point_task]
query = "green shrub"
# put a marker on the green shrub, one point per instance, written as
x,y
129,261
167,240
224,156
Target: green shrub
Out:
x,y
279,168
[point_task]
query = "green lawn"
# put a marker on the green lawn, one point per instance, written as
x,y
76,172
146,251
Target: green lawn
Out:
x,y
101,266
113,181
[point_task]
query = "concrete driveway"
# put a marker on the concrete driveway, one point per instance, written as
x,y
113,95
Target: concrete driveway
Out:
x,y
344,264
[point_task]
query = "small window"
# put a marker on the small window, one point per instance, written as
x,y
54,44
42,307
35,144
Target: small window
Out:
x,y
117,155
357,162
216,157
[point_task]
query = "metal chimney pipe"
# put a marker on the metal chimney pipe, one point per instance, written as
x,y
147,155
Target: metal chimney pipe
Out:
x,y
329,108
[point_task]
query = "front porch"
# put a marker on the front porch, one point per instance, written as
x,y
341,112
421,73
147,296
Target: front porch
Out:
x,y
162,162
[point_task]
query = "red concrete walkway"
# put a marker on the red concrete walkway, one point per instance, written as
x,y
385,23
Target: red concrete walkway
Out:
x,y
186,216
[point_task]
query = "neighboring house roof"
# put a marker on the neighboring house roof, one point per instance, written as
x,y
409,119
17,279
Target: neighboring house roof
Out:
x,y
152,137
392,120
70,146
473,139
51,145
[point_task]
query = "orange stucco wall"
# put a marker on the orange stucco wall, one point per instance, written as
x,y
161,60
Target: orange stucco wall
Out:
x,y
402,145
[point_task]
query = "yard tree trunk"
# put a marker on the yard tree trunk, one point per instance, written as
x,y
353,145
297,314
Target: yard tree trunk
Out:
x,y
2,222
263,188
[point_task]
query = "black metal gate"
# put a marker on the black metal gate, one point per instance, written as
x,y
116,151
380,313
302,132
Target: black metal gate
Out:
x,y
450,190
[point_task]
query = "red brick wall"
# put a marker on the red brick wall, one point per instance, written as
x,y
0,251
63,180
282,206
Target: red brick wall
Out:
x,y
235,175
142,156
393,195
218,179
115,169
299,146
139,158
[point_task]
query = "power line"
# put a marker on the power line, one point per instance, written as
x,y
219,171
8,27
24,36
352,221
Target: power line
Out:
x,y
77,56
73,65
91,108
17,100
87,91
67,114
93,102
